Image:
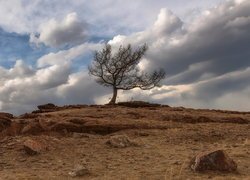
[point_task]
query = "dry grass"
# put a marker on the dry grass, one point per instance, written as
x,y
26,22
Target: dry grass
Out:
x,y
167,137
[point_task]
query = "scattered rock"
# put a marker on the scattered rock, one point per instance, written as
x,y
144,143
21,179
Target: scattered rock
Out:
x,y
22,159
216,160
79,171
177,163
120,141
33,147
141,133
81,135
77,106
137,104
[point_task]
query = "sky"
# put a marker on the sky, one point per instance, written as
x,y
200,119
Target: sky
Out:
x,y
47,45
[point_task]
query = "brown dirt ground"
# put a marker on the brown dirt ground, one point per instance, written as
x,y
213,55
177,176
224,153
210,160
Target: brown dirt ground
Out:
x,y
167,137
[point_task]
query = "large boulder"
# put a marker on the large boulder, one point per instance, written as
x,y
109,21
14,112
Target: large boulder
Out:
x,y
33,147
216,160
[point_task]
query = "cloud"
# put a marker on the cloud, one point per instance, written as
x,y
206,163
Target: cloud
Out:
x,y
55,33
210,55
166,23
81,88
23,87
23,16
67,55
56,84
206,60
20,69
207,39
230,91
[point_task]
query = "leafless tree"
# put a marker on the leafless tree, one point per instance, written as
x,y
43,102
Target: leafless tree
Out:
x,y
119,70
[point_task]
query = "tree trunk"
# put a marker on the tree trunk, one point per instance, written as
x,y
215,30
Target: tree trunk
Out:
x,y
113,100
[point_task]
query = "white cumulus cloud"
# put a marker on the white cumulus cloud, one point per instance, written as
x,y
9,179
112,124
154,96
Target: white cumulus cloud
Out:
x,y
55,33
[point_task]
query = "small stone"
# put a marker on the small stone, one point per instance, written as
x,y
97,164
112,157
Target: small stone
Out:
x,y
79,171
43,161
216,160
235,145
80,135
177,163
22,160
120,141
11,144
141,133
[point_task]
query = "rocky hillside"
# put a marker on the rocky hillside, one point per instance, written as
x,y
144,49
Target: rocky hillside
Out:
x,y
131,140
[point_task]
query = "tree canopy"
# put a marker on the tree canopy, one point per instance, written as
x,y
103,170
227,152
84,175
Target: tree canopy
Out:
x,y
120,70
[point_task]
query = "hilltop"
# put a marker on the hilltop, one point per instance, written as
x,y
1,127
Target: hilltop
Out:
x,y
161,141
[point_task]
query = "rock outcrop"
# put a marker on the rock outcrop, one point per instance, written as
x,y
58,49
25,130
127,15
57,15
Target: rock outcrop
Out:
x,y
5,120
46,108
4,123
32,128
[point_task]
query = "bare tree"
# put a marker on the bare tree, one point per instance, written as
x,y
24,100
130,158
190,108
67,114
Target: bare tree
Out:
x,y
119,70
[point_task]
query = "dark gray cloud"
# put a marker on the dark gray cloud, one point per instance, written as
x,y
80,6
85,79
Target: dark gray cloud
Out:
x,y
219,86
209,56
219,38
56,84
